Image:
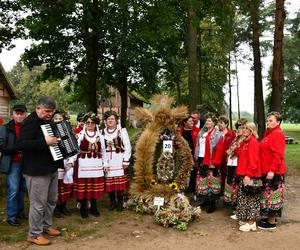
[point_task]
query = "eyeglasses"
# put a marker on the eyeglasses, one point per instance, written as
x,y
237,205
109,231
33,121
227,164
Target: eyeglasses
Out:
x,y
88,122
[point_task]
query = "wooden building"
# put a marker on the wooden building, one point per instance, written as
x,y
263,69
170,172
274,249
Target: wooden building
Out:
x,y
7,93
114,103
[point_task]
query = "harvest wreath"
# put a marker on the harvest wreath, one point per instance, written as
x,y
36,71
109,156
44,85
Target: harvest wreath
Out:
x,y
162,173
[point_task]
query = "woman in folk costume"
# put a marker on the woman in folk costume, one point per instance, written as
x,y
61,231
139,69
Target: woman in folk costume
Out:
x,y
208,183
190,132
65,191
231,182
118,150
273,168
88,167
249,178
228,137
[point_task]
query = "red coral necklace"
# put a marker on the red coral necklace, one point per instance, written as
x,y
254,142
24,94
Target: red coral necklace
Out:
x,y
111,132
91,136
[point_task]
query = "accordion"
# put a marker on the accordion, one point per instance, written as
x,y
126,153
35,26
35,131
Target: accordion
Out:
x,y
67,145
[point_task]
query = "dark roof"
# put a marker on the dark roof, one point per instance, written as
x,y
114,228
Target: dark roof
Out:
x,y
7,84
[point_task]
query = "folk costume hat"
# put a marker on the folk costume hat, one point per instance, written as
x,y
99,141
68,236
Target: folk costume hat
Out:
x,y
80,116
110,113
92,116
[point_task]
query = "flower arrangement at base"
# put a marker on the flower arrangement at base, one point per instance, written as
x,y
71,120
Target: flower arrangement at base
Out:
x,y
176,212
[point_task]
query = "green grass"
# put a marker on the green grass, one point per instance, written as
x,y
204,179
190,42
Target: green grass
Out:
x,y
292,151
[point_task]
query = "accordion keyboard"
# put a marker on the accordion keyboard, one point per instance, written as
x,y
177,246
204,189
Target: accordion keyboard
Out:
x,y
55,151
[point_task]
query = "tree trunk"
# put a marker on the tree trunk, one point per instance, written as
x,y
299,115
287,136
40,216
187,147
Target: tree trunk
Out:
x,y
194,90
92,54
123,90
259,112
230,97
277,74
91,92
237,84
200,82
178,91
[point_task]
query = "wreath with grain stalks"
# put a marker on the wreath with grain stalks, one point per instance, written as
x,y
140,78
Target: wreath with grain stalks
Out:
x,y
160,118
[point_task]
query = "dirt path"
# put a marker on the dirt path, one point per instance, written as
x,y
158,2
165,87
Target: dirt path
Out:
x,y
213,231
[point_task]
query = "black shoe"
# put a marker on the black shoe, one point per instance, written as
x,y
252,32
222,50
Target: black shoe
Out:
x,y
265,220
211,208
57,213
205,203
112,206
120,207
14,222
64,210
22,216
266,226
93,210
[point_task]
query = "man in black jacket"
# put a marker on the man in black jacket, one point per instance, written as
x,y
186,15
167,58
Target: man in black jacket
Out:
x,y
11,165
40,171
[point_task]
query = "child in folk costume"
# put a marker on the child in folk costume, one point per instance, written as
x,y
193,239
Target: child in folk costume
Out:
x,y
89,166
118,151
65,191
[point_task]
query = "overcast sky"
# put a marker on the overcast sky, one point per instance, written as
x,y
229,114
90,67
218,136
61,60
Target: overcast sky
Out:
x,y
246,76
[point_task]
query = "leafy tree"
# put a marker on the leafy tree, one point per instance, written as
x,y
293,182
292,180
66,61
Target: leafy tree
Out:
x,y
69,41
30,87
9,13
291,54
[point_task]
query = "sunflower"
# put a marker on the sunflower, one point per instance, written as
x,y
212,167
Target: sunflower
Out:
x,y
174,186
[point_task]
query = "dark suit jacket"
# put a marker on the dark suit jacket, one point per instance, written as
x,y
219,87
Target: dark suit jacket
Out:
x,y
37,159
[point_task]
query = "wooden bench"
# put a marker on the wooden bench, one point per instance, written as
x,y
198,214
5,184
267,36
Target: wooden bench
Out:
x,y
290,140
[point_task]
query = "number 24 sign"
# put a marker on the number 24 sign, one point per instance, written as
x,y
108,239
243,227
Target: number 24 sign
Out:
x,y
168,146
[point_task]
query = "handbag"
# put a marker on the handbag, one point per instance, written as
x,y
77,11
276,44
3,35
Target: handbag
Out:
x,y
256,188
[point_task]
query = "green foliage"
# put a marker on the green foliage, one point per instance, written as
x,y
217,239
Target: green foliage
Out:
x,y
8,16
30,87
291,55
292,151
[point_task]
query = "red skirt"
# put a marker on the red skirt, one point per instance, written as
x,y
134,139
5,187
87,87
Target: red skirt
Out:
x,y
117,183
65,192
88,188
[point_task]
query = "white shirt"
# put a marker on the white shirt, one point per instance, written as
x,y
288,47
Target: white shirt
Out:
x,y
202,140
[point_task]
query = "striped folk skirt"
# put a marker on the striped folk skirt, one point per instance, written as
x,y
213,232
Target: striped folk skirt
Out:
x,y
87,188
65,192
117,183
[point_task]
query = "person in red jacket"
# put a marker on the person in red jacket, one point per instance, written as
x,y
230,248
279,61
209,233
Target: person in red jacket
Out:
x,y
231,183
228,137
249,173
273,168
208,183
190,132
